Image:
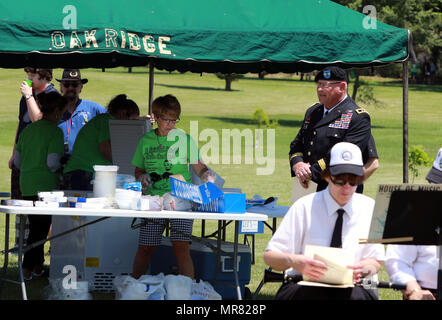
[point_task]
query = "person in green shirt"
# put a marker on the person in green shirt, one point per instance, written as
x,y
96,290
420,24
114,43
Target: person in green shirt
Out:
x,y
161,153
37,154
92,145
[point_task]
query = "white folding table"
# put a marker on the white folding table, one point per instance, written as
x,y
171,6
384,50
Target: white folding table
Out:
x,y
107,213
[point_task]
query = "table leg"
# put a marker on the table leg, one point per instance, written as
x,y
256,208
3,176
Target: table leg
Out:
x,y
6,256
218,253
20,256
235,260
261,284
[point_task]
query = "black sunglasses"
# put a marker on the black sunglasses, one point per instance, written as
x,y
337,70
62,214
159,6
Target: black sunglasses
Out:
x,y
70,84
342,182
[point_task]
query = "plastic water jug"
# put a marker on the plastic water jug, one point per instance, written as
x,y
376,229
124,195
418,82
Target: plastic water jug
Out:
x,y
105,181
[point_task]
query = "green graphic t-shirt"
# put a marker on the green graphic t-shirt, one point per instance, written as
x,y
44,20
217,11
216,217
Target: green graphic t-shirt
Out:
x,y
36,142
86,151
162,157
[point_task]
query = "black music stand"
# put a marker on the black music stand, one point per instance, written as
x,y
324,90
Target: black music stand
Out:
x,y
416,214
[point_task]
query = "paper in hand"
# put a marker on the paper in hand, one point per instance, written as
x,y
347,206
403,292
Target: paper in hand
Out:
x,y
336,260
299,191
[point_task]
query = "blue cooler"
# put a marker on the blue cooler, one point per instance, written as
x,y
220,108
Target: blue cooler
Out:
x,y
204,262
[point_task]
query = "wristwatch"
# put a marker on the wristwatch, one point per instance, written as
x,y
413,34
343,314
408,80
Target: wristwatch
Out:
x,y
27,96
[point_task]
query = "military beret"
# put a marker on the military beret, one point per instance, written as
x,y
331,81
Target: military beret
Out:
x,y
331,73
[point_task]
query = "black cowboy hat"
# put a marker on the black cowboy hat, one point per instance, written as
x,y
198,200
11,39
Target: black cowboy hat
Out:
x,y
72,75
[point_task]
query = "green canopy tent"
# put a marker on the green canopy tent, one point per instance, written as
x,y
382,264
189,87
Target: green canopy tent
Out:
x,y
236,36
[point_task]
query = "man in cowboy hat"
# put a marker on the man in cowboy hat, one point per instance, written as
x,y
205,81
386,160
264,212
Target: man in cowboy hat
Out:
x,y
79,111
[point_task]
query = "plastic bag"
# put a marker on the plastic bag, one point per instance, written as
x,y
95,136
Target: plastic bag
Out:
x,y
203,290
123,179
135,186
57,290
178,287
148,203
145,288
156,286
128,288
173,203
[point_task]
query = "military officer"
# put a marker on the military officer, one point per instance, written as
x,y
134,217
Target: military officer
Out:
x,y
335,119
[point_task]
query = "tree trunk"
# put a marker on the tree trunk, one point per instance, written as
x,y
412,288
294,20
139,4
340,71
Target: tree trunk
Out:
x,y
355,86
228,82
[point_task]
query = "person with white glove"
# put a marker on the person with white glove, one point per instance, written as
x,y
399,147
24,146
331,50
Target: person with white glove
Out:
x,y
208,176
159,155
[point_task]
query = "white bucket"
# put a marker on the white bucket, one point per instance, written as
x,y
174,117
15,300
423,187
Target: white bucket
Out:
x,y
105,181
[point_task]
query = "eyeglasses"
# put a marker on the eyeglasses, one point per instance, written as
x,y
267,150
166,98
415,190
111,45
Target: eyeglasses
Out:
x,y
170,120
70,84
342,182
326,84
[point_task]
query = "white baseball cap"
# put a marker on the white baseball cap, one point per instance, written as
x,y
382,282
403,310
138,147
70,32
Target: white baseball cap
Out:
x,y
435,174
346,158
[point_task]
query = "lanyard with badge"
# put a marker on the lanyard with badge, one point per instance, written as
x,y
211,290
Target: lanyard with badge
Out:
x,y
68,129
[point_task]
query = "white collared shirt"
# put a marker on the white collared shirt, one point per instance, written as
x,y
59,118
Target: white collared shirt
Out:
x,y
325,110
405,263
311,220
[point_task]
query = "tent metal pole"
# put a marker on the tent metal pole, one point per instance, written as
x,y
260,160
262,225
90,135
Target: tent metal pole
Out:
x,y
151,82
405,119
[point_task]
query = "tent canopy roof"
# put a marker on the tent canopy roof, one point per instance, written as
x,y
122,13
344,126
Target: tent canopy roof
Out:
x,y
199,36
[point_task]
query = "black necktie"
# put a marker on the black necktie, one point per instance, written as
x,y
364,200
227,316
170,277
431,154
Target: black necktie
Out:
x,y
325,114
336,241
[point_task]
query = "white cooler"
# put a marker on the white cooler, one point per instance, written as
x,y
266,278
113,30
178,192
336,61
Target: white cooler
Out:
x,y
99,252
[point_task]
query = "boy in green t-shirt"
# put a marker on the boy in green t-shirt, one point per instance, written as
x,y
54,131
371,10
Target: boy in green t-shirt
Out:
x,y
38,153
92,145
161,153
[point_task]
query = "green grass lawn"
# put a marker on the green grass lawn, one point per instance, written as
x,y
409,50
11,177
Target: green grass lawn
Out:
x,y
283,97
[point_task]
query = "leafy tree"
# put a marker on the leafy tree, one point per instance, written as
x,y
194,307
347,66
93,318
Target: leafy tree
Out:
x,y
367,97
418,157
262,119
229,78
422,17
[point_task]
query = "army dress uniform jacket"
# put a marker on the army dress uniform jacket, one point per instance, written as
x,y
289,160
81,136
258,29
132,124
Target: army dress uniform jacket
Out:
x,y
345,123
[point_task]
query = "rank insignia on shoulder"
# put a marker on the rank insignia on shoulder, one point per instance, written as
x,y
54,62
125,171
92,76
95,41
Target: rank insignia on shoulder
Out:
x,y
360,110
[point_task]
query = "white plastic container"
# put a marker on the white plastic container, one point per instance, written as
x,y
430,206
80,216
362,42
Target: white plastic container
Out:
x,y
127,199
105,181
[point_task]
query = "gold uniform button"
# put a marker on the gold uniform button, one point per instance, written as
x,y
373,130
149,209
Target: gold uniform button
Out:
x,y
309,153
311,143
314,133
